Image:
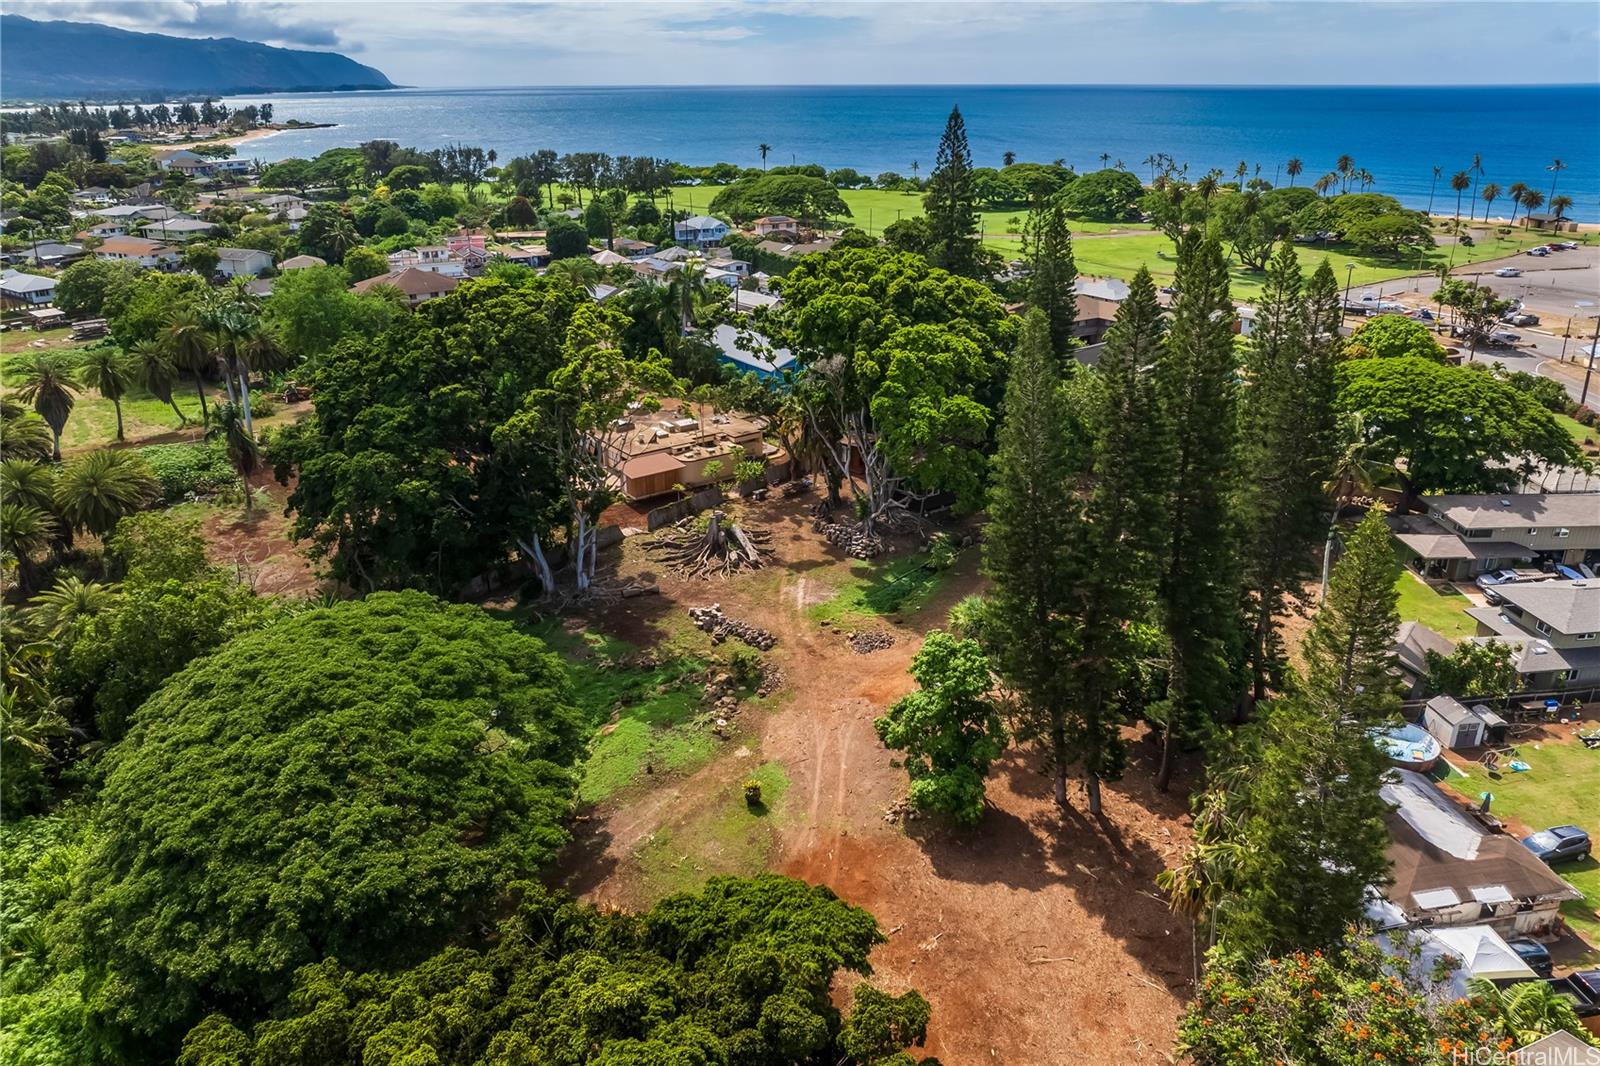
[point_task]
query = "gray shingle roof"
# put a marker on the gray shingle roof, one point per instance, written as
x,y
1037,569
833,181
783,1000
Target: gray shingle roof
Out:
x,y
1565,606
1532,508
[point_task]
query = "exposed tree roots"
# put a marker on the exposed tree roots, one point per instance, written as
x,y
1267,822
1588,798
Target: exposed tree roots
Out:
x,y
723,547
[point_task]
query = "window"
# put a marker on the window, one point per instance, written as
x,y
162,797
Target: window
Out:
x,y
1479,534
1543,627
1585,636
1533,532
1563,532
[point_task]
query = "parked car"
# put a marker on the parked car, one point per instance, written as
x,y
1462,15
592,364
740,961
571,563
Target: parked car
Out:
x,y
1535,954
1565,246
1504,336
1508,272
1490,578
1539,250
1559,843
1524,318
1582,990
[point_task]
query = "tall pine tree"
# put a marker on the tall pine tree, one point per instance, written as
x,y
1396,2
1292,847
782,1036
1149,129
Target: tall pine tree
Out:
x,y
1033,503
950,203
1288,436
1052,273
1124,536
1349,651
1198,592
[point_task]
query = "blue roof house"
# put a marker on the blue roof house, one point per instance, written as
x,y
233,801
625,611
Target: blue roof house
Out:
x,y
702,231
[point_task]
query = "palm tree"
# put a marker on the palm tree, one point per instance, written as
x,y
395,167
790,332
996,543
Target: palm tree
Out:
x,y
243,451
1459,183
1105,158
1532,200
108,372
25,531
27,482
57,609
1437,173
1517,192
1477,172
915,166
189,343
1008,159
1345,167
1491,193
154,371
1559,205
1528,1011
96,490
23,434
1324,183
1357,471
1295,167
1555,168
579,270
763,149
342,237
47,383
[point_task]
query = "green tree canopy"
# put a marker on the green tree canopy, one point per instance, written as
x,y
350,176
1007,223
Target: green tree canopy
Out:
x,y
1103,195
355,781
1459,429
739,971
949,728
805,198
1392,337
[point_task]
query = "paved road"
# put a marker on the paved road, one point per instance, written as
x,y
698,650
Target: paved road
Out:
x,y
1552,288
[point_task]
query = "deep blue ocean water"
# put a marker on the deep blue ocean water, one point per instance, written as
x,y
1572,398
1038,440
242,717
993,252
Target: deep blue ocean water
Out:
x,y
1399,134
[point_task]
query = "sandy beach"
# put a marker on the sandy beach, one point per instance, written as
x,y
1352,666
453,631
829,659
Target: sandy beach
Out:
x,y
249,135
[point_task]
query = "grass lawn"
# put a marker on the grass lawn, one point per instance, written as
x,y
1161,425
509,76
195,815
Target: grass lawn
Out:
x,y
876,589
1444,613
1560,789
1580,433
643,715
727,836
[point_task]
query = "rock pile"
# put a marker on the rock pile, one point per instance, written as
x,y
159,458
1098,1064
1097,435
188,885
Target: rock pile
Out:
x,y
721,627
869,642
855,541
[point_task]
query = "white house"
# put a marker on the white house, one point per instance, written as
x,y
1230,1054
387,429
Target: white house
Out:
x,y
144,252
775,224
701,230
242,262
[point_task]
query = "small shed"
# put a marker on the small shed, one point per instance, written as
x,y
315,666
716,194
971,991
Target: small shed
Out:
x,y
1457,726
47,318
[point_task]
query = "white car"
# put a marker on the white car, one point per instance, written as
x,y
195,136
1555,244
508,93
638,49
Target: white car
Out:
x,y
1541,251
1508,272
1504,336
1495,577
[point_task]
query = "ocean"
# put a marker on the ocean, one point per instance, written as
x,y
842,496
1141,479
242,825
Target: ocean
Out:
x,y
1398,134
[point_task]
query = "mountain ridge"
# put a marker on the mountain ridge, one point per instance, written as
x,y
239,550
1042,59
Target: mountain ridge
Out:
x,y
62,60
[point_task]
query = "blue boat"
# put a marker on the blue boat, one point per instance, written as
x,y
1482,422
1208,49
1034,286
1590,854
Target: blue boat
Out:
x,y
1409,747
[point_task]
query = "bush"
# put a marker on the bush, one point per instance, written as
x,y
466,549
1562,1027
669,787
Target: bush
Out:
x,y
182,469
263,404
752,792
746,666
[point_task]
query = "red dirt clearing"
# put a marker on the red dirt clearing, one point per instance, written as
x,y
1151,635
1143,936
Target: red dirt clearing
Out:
x,y
1038,937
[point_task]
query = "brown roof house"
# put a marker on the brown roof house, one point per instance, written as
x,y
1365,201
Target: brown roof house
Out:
x,y
651,453
1451,869
417,285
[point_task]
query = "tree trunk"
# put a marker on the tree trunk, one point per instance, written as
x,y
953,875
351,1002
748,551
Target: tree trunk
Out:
x,y
118,405
200,391
1164,775
55,434
1092,783
249,502
244,395
535,551
580,552
1058,746
183,419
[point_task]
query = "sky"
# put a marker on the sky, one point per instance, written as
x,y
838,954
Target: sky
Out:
x,y
457,43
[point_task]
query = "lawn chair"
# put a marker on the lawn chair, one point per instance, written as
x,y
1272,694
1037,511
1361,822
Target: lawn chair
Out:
x,y
1590,740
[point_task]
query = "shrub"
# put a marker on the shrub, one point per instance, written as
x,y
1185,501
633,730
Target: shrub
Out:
x,y
752,792
746,666
182,469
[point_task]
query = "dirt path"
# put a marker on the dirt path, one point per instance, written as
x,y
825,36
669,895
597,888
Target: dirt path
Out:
x,y
1038,937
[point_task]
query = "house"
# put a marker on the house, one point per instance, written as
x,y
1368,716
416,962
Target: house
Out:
x,y
1458,726
279,202
181,230
1546,220
718,276
630,247
242,262
1459,537
751,353
678,255
186,162
1412,643
1450,869
27,290
102,230
536,255
1554,627
418,286
722,259
746,300
769,224
292,217
600,292
794,251
146,253
702,231
260,287
52,254
649,454
434,257
302,262
609,258
94,194
655,268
